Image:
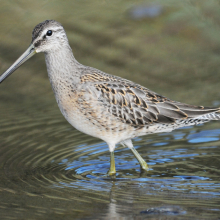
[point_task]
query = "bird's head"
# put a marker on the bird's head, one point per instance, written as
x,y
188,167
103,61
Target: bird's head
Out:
x,y
48,36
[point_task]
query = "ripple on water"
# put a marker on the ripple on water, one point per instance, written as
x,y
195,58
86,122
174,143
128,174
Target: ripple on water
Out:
x,y
44,157
204,136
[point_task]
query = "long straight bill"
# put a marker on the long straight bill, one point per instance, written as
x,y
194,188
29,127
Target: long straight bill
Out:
x,y
24,57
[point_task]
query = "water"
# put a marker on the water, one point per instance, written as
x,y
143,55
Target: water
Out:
x,y
49,170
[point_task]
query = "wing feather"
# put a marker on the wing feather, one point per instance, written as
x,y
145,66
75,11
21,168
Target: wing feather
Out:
x,y
137,105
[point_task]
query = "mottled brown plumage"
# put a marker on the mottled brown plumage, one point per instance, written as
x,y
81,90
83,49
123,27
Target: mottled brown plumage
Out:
x,y
137,105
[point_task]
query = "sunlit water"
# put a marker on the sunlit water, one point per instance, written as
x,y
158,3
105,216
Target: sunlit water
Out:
x,y
49,168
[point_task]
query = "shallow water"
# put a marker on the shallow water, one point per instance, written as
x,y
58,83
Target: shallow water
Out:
x,y
49,170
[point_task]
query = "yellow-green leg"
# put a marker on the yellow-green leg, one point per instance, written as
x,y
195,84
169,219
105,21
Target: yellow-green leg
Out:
x,y
112,170
143,164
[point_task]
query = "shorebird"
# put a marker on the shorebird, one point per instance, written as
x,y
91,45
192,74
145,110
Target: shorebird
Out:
x,y
103,105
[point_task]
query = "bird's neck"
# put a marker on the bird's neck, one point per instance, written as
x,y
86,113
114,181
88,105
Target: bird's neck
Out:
x,y
62,67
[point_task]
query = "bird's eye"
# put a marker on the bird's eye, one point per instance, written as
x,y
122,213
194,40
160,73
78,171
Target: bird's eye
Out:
x,y
49,33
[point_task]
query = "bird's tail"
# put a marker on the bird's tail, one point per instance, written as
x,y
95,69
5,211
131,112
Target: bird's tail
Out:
x,y
211,116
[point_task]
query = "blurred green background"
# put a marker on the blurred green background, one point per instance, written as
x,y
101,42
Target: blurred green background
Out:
x,y
175,53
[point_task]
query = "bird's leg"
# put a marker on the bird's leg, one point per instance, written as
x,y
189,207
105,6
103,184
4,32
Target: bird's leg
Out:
x,y
143,164
112,170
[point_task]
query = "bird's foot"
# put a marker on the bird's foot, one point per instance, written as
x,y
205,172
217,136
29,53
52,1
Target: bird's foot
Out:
x,y
144,166
111,172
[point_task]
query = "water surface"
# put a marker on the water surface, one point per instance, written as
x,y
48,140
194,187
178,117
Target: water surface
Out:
x,y
47,168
